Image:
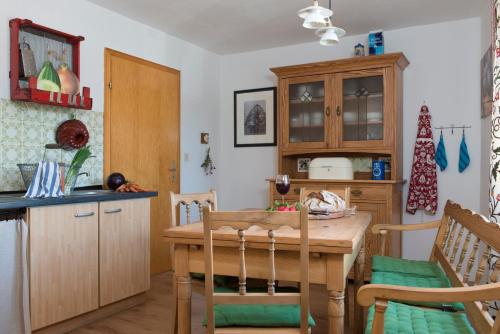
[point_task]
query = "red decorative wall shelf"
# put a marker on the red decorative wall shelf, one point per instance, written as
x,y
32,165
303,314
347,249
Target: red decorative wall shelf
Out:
x,y
25,88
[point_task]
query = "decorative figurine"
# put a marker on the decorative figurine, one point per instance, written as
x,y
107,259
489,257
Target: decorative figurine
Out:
x,y
359,50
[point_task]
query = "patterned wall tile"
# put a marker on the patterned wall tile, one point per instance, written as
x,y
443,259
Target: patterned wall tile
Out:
x,y
25,128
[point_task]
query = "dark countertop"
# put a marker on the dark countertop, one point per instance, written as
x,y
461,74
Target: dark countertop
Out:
x,y
17,201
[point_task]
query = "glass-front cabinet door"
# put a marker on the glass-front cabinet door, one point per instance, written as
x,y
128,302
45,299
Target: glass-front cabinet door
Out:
x,y
307,112
362,104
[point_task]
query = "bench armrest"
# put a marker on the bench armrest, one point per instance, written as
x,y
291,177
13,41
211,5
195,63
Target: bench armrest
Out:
x,y
368,294
382,230
380,294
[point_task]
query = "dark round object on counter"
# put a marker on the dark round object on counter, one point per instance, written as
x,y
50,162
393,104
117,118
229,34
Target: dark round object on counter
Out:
x,y
72,135
115,181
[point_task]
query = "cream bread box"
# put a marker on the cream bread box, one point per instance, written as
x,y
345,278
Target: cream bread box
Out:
x,y
331,169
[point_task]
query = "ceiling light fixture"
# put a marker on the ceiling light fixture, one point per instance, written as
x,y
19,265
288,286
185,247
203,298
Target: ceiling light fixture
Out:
x,y
330,35
320,18
314,16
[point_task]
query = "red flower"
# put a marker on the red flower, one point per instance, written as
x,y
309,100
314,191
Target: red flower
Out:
x,y
498,197
498,52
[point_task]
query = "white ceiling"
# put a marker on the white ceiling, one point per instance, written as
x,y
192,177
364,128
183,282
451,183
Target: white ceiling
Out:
x,y
231,26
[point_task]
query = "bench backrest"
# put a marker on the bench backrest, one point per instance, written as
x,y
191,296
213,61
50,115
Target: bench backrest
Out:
x,y
270,221
463,248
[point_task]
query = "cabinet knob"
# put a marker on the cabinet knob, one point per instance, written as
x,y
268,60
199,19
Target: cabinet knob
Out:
x,y
327,111
338,111
113,211
84,214
356,192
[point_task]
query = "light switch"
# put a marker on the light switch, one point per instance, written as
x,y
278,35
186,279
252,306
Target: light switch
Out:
x,y
186,156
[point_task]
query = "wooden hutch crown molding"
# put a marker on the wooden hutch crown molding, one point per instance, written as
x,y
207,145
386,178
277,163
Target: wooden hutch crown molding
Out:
x,y
342,65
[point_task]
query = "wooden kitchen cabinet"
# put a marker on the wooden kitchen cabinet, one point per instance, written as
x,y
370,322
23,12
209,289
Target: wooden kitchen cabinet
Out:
x,y
64,262
123,249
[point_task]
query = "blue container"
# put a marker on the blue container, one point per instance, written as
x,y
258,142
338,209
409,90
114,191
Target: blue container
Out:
x,y
378,170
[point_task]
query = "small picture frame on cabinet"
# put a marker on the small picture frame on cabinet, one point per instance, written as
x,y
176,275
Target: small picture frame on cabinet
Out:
x,y
303,165
255,117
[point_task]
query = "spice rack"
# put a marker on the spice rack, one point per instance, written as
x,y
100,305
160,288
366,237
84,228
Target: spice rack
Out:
x,y
25,88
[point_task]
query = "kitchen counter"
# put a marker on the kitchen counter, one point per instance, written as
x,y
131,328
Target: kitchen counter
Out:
x,y
17,201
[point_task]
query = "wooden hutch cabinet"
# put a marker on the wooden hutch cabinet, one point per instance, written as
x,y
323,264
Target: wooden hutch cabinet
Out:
x,y
345,108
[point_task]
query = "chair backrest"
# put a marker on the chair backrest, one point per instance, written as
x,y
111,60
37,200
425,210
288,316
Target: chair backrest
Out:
x,y
343,192
187,200
465,246
270,221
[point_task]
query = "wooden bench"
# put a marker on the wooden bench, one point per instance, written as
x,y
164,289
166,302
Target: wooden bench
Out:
x,y
461,252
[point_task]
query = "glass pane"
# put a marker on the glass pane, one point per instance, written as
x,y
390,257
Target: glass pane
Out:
x,y
306,112
363,114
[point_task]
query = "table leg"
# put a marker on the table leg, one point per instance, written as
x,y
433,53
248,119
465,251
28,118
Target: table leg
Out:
x,y
336,312
360,279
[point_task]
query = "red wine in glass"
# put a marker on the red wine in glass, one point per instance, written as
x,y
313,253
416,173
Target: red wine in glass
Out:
x,y
282,186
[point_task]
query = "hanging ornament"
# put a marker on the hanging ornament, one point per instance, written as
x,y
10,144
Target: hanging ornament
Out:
x,y
208,165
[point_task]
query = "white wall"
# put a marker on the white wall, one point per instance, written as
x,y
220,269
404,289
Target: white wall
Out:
x,y
103,28
486,40
444,71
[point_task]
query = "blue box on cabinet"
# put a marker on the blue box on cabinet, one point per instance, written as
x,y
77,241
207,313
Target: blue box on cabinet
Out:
x,y
376,43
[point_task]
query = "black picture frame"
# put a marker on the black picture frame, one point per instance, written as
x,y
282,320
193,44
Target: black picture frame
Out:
x,y
274,117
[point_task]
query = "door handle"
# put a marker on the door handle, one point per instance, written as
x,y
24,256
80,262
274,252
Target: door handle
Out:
x,y
85,214
173,171
339,112
113,211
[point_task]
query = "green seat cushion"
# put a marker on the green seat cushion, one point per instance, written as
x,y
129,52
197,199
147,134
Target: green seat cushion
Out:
x,y
441,281
401,318
258,316
396,265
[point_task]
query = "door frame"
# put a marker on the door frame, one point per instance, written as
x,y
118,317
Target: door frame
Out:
x,y
108,54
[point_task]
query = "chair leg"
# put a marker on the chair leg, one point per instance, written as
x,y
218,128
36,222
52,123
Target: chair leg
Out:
x,y
173,314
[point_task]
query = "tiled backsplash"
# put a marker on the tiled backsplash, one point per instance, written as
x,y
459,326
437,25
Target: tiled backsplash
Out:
x,y
25,128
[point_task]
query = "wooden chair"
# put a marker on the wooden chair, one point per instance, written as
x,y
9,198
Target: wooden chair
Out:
x,y
177,201
462,249
241,221
343,192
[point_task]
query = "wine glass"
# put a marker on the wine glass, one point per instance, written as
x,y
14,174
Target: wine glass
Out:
x,y
282,186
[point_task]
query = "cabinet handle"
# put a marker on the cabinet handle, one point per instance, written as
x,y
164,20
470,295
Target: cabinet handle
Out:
x,y
113,211
356,192
338,111
85,214
327,111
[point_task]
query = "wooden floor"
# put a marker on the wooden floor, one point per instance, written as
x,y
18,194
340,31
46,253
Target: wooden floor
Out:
x,y
152,317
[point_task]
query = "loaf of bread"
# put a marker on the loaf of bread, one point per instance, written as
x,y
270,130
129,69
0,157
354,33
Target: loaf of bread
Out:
x,y
324,202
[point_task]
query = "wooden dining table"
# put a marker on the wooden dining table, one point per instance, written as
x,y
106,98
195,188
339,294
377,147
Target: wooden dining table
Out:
x,y
336,245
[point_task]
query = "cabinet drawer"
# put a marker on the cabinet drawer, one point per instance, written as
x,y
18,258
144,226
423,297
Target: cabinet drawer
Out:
x,y
369,193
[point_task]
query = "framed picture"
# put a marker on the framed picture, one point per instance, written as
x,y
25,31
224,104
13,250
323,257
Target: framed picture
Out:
x,y
487,83
303,165
255,117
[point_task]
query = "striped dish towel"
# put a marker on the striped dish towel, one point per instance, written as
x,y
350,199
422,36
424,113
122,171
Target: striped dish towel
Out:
x,y
46,181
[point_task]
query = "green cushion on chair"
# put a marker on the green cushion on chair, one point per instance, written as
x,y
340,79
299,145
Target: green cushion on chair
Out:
x,y
400,318
258,316
396,265
441,281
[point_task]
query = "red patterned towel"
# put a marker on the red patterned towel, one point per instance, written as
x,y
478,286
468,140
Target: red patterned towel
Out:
x,y
423,182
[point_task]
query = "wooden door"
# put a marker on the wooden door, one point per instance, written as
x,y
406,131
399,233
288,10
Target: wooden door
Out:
x,y
141,123
305,108
364,108
123,249
64,262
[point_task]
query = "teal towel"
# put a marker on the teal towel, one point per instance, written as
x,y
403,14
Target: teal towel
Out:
x,y
464,159
440,157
